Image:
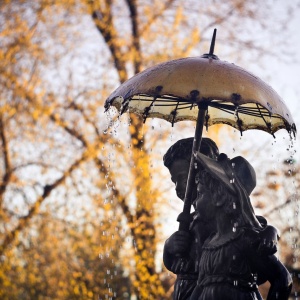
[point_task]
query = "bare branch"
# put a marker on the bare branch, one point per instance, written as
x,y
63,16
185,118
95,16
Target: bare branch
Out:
x,y
218,20
104,23
6,158
23,222
137,59
278,207
156,16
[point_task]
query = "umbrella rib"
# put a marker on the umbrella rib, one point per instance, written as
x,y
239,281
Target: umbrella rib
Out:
x,y
174,113
177,104
228,109
239,121
251,111
147,110
182,104
267,123
163,103
206,119
158,98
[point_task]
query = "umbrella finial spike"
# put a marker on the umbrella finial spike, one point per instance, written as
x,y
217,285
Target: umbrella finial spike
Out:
x,y
211,54
212,44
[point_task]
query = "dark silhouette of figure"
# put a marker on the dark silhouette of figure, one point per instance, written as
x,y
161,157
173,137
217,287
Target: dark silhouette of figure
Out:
x,y
183,250
231,259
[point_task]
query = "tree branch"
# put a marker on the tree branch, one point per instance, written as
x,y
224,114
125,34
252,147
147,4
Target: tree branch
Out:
x,y
137,59
156,16
6,159
218,20
104,23
278,207
23,221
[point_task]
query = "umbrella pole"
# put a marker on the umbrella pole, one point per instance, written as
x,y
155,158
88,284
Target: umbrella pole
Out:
x,y
184,217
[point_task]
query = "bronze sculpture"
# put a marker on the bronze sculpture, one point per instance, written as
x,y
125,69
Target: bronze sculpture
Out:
x,y
209,91
183,250
177,160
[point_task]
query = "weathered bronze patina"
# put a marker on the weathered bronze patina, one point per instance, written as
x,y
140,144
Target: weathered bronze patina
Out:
x,y
228,250
234,241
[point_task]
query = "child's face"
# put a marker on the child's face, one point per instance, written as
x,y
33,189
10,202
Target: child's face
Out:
x,y
179,171
203,203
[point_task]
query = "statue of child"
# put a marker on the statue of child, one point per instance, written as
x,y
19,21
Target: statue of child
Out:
x,y
182,250
231,259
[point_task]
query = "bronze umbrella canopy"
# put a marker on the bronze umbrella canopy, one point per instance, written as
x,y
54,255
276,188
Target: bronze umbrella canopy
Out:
x,y
207,90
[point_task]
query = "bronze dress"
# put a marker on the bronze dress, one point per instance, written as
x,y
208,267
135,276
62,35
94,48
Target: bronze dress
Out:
x,y
186,267
227,271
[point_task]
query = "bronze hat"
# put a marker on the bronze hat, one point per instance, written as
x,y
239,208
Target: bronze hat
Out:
x,y
239,169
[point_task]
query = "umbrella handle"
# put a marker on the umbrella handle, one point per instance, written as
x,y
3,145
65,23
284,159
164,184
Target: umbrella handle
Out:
x,y
184,217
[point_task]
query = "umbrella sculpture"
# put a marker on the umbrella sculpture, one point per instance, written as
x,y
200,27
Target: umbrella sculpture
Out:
x,y
207,90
